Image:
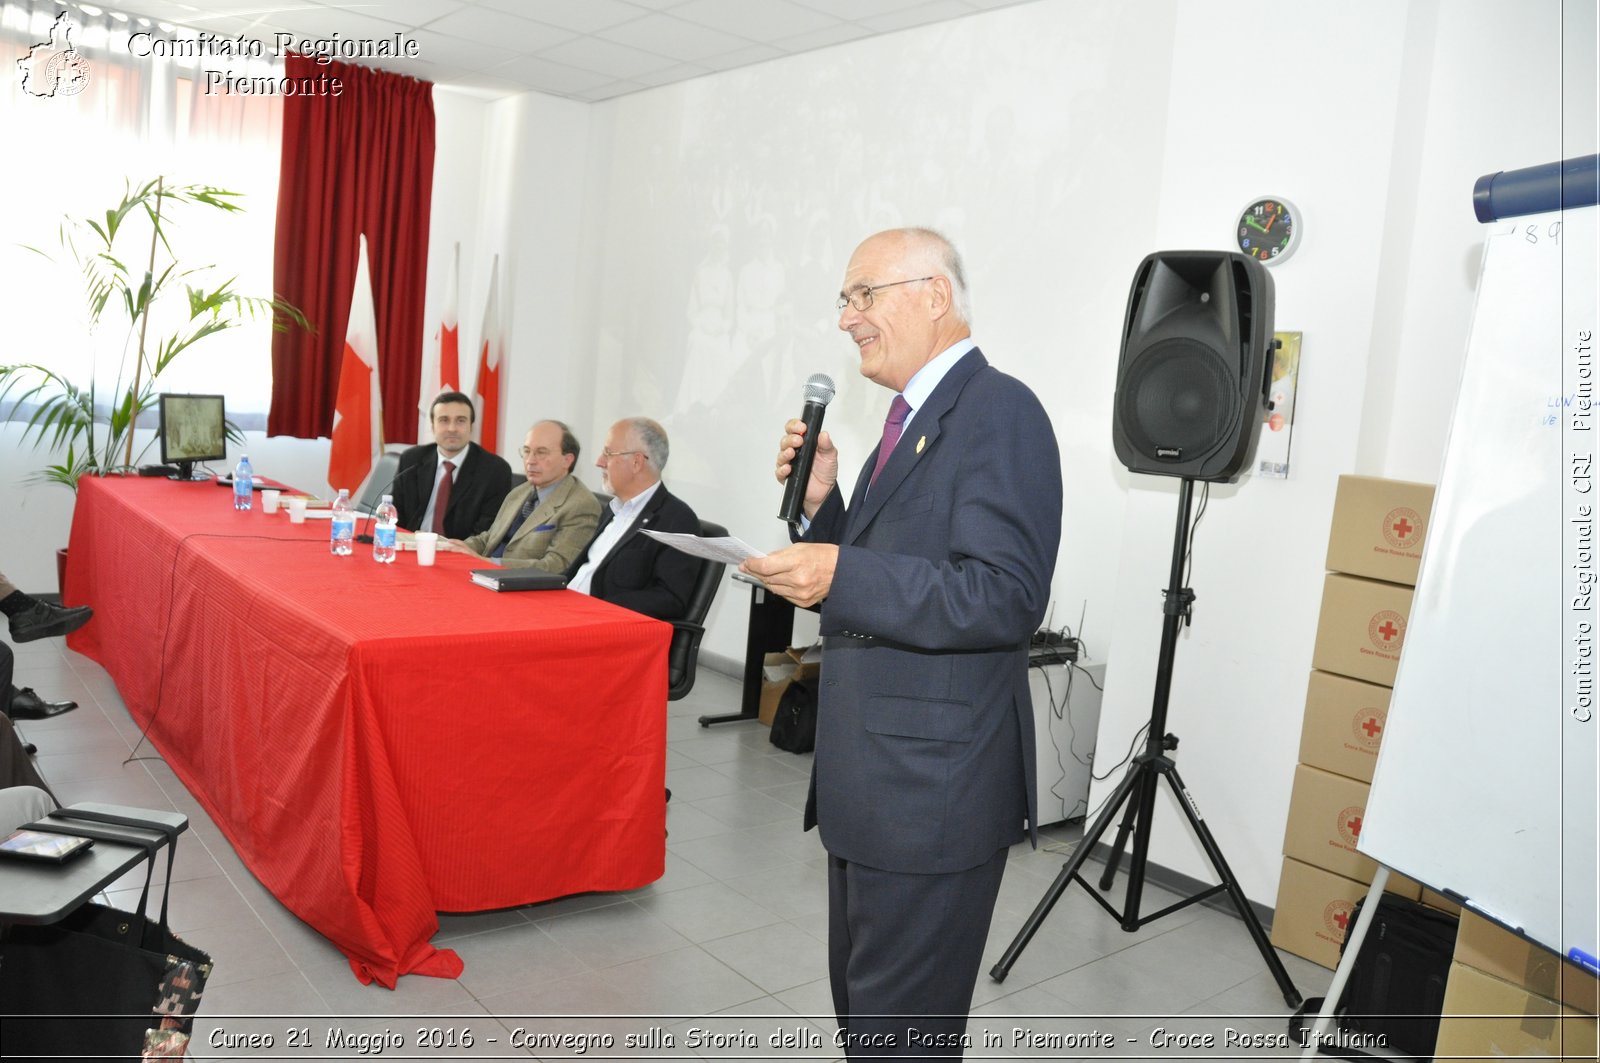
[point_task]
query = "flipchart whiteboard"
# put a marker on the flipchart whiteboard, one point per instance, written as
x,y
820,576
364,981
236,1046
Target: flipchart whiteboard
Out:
x,y
1485,786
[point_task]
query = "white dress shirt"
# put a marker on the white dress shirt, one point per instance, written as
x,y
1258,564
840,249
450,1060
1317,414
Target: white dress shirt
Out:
x,y
623,514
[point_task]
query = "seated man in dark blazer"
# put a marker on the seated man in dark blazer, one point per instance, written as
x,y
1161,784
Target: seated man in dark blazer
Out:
x,y
622,566
544,523
460,501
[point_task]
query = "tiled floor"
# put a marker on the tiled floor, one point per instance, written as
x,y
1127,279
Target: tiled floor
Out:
x,y
730,941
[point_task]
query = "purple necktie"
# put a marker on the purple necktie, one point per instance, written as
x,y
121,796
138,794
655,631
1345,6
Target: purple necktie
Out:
x,y
893,425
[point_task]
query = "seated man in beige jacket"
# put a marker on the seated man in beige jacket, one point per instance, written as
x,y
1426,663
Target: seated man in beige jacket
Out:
x,y
545,523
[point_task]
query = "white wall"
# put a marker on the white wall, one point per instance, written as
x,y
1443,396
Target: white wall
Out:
x,y
1033,135
534,175
1382,130
37,516
1321,138
1059,143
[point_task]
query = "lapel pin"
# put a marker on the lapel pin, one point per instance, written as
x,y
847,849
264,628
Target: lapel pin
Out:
x,y
921,442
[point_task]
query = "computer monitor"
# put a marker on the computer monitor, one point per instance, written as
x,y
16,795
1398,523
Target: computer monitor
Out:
x,y
193,428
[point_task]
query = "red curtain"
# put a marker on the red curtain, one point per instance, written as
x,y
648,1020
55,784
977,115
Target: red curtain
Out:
x,y
357,163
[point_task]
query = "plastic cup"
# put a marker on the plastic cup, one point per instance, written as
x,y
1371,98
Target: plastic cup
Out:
x,y
427,544
297,511
269,501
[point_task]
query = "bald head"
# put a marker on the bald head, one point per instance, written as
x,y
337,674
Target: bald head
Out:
x,y
914,287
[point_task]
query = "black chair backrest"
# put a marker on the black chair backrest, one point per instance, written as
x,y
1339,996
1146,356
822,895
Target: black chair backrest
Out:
x,y
685,650
380,480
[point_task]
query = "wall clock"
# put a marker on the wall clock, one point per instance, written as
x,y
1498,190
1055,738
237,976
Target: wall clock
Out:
x,y
1268,229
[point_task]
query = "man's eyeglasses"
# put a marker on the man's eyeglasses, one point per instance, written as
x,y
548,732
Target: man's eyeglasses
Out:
x,y
861,298
609,454
542,453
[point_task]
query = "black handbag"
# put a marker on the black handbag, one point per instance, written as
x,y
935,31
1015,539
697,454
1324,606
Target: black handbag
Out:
x,y
794,725
1395,992
101,983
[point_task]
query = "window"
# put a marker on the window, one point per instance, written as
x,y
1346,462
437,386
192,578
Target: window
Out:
x,y
144,111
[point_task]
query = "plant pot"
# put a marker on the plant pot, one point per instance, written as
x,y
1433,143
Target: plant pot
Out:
x,y
61,573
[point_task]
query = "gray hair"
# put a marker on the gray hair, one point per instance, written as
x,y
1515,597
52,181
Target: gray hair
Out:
x,y
939,256
652,440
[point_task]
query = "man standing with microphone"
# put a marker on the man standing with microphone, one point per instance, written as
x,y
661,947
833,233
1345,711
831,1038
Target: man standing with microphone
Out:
x,y
932,580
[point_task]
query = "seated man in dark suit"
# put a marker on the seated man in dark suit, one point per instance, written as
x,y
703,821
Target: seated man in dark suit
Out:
x,y
451,486
622,566
545,522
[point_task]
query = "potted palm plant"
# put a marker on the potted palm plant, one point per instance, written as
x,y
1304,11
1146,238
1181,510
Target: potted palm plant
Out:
x,y
88,423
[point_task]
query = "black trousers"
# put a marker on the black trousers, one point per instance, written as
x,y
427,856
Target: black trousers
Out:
x,y
16,768
903,955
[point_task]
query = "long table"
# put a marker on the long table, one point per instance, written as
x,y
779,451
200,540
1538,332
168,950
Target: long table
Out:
x,y
379,743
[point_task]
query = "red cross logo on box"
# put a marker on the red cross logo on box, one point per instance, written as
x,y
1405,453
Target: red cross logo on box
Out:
x,y
1387,630
1336,918
1350,824
1367,725
1403,527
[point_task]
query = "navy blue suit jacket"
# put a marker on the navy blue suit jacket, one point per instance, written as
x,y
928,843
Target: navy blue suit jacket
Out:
x,y
925,750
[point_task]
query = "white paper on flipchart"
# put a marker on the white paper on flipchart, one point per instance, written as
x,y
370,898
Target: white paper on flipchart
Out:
x,y
729,549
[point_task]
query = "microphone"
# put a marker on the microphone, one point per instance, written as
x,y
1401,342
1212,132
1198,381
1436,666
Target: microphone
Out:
x,y
366,536
818,392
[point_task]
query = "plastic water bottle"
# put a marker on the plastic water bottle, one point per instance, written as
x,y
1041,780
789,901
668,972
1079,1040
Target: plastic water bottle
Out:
x,y
243,483
344,525
383,532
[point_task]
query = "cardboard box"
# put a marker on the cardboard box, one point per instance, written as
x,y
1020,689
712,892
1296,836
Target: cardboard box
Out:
x,y
1343,725
778,670
1486,1018
1379,527
1441,902
1325,814
1313,912
1362,628
1487,947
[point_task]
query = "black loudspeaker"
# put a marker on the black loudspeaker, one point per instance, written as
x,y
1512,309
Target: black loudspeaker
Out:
x,y
1196,365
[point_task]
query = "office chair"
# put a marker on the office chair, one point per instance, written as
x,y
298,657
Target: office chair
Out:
x,y
378,481
684,652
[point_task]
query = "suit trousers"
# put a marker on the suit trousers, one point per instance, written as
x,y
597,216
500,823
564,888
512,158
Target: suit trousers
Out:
x,y
903,955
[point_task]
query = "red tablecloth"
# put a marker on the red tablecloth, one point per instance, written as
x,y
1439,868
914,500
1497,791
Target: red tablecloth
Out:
x,y
378,742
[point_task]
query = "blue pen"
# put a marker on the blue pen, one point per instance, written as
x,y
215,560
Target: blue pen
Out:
x,y
545,527
1585,960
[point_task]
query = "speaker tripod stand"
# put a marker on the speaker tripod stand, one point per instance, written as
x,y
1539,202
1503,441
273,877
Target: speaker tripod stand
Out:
x,y
1138,792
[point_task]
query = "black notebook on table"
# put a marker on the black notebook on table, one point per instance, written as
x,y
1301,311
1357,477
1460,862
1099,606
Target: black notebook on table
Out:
x,y
518,579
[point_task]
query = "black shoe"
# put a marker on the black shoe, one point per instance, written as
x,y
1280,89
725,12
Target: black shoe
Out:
x,y
26,705
43,620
